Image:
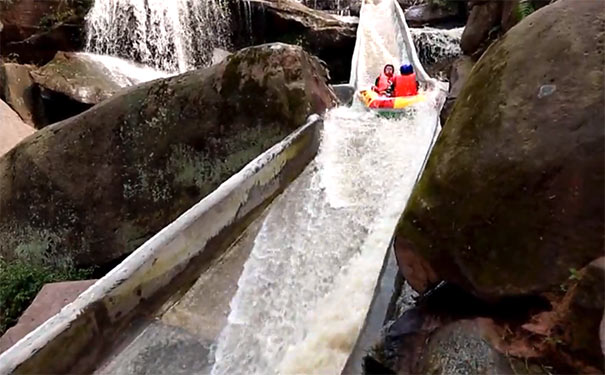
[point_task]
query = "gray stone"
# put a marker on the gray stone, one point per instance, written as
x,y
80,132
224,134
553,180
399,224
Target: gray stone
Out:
x,y
161,350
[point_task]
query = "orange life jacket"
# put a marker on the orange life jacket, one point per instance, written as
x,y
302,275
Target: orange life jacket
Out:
x,y
405,85
384,82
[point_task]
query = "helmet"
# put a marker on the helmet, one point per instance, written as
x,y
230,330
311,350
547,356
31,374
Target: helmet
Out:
x,y
406,69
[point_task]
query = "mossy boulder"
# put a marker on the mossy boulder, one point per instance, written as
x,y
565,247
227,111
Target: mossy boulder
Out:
x,y
96,186
512,195
89,79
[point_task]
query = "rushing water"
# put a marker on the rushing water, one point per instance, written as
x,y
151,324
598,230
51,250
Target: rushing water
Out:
x,y
171,35
435,45
307,285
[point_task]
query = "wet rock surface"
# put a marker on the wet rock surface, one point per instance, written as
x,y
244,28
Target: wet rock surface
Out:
x,y
75,76
96,186
18,90
327,36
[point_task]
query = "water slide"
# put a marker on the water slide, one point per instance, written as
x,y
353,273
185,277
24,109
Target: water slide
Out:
x,y
279,270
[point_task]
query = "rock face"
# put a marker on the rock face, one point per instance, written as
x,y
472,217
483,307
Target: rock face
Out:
x,y
512,195
17,88
492,18
329,37
483,18
34,30
96,186
464,347
49,301
12,129
459,72
425,14
585,315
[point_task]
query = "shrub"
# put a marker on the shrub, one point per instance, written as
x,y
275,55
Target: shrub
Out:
x,y
21,281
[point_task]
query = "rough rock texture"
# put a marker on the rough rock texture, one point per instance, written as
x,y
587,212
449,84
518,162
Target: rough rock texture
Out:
x,y
512,195
329,37
489,19
425,14
458,75
483,18
464,347
586,314
34,30
435,46
49,301
81,78
96,186
17,88
12,129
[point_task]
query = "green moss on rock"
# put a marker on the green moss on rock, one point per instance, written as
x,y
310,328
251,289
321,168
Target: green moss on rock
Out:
x,y
512,195
102,183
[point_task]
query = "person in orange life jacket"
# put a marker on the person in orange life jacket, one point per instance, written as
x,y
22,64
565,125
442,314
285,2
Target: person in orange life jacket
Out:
x,y
384,81
405,84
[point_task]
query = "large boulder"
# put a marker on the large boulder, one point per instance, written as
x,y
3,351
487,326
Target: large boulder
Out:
x,y
327,36
73,81
35,30
489,19
95,187
512,195
19,91
484,17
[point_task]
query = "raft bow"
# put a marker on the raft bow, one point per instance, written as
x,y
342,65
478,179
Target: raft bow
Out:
x,y
374,101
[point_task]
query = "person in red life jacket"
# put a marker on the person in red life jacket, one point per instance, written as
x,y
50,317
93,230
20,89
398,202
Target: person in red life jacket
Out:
x,y
384,81
405,84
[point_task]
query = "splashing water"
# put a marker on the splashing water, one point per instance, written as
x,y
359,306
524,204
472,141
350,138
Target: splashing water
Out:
x,y
122,72
306,288
171,35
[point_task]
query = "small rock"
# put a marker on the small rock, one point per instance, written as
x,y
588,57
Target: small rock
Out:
x,y
464,347
12,129
49,301
17,88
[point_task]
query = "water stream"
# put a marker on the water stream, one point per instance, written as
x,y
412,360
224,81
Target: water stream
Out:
x,y
171,35
306,287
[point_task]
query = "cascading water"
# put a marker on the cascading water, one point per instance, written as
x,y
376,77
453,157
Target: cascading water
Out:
x,y
436,44
307,285
171,35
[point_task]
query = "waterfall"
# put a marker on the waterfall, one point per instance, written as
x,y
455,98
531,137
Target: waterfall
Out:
x,y
435,45
171,35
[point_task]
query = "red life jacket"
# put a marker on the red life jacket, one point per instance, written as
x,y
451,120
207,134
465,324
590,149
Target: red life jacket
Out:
x,y
405,85
384,82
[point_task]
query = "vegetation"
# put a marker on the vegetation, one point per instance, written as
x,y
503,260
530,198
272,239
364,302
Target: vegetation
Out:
x,y
20,281
75,11
523,9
